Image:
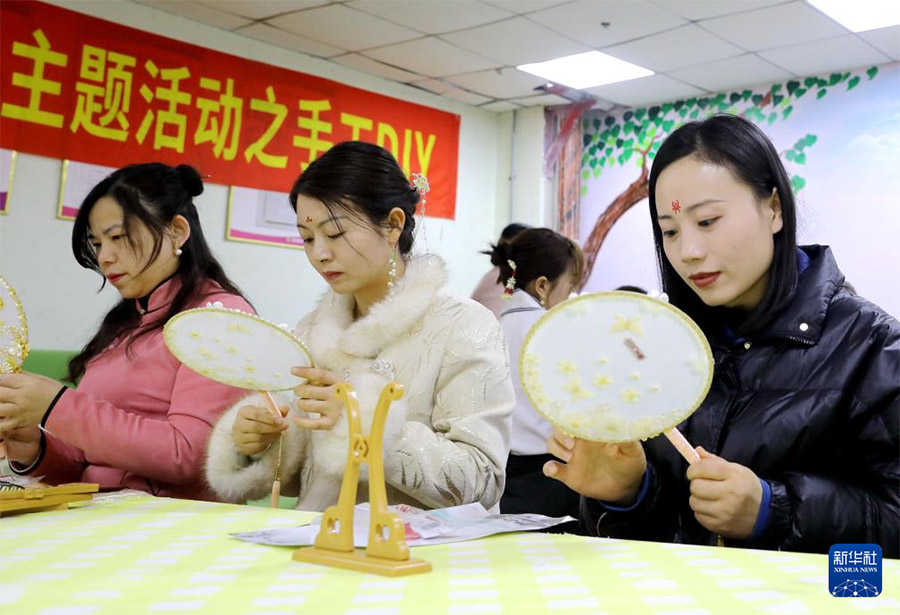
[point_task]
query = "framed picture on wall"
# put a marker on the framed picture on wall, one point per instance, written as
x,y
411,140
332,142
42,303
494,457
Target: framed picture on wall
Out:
x,y
7,171
77,179
261,217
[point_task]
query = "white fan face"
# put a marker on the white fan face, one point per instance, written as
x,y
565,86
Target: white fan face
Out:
x,y
236,348
13,330
615,366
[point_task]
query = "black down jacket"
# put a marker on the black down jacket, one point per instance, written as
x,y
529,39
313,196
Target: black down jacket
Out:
x,y
813,408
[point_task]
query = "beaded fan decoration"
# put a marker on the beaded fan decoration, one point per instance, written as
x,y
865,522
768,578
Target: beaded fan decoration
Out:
x,y
13,330
236,348
615,366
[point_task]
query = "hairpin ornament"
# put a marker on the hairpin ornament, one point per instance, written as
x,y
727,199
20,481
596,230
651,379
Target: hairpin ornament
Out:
x,y
420,184
676,207
510,281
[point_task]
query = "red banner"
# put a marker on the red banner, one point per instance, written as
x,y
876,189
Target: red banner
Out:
x,y
80,88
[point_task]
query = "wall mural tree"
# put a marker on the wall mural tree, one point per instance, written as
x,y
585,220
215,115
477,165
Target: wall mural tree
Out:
x,y
634,137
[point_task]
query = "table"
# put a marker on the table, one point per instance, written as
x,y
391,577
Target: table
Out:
x,y
140,554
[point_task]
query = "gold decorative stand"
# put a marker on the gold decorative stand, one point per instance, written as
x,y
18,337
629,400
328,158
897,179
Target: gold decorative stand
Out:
x,y
386,552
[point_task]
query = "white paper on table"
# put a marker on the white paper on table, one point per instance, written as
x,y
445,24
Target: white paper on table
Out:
x,y
423,527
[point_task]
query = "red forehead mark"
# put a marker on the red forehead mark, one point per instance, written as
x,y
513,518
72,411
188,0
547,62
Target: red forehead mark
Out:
x,y
676,207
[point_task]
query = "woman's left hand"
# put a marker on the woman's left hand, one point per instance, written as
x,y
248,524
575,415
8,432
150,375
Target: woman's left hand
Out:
x,y
725,496
317,395
24,399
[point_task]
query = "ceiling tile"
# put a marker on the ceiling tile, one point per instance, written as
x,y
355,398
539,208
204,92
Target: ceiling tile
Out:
x,y
500,106
775,26
525,6
467,97
544,100
374,67
502,83
200,12
432,57
644,91
270,34
827,55
724,75
432,17
684,46
886,40
433,85
343,27
704,9
515,41
628,20
260,9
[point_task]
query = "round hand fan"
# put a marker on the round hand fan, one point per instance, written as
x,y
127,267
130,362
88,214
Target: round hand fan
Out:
x,y
236,348
615,367
13,330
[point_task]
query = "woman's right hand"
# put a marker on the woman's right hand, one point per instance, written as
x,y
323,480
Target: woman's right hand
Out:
x,y
23,445
255,428
606,471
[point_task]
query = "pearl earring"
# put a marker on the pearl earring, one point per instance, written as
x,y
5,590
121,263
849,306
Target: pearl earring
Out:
x,y
178,252
392,272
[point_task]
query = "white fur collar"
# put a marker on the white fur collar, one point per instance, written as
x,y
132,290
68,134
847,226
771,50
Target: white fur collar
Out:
x,y
386,320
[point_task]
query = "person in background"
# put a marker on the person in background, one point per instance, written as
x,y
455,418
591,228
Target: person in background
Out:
x,y
540,268
138,419
799,436
386,317
489,291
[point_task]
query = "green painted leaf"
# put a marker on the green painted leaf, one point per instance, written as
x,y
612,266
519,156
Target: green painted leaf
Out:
x,y
602,161
683,111
776,99
790,155
801,92
787,112
628,128
629,143
792,86
667,125
621,159
853,83
616,130
800,158
609,151
597,124
666,108
639,113
821,94
628,154
584,189
610,162
800,144
746,94
593,163
678,105
775,88
639,161
757,98
810,82
694,114
657,121
653,112
587,140
627,116
597,172
822,83
797,183
811,140
872,72
772,117
610,120
619,142
834,79
703,103
586,175
690,102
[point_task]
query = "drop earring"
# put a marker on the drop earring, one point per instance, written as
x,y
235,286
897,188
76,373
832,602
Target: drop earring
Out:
x,y
392,272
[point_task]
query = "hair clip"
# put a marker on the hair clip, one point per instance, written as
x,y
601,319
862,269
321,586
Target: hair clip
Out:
x,y
420,184
510,281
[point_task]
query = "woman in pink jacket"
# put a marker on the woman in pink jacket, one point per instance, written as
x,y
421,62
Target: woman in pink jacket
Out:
x,y
139,419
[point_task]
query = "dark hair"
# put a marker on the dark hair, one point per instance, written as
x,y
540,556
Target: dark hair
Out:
x,y
511,230
364,181
537,252
745,150
150,194
632,289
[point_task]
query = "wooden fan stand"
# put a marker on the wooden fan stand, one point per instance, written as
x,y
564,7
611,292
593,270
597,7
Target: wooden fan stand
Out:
x,y
386,553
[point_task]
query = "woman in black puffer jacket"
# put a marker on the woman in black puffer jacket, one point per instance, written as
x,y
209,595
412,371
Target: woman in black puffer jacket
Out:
x,y
799,437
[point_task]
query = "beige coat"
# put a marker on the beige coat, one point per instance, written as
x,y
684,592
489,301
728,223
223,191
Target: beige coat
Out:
x,y
446,442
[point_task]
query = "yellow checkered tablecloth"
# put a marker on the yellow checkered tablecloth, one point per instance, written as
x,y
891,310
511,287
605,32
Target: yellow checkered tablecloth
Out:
x,y
125,556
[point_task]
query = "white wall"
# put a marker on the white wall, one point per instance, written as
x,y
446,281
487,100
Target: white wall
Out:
x,y
60,298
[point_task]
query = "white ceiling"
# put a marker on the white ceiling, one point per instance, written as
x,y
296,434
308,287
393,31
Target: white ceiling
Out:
x,y
467,50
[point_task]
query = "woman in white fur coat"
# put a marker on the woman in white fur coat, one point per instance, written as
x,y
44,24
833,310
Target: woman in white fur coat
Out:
x,y
387,317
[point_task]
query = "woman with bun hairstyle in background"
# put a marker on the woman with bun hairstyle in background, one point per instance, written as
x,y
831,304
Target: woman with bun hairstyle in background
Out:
x,y
548,267
139,419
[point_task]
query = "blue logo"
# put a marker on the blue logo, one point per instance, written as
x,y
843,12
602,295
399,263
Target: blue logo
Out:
x,y
854,571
